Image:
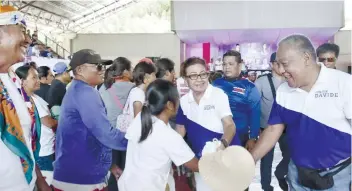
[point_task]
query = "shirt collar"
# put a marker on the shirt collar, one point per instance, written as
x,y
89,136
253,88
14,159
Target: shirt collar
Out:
x,y
206,95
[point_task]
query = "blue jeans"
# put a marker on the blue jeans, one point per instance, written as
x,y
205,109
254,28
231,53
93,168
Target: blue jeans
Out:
x,y
342,179
267,161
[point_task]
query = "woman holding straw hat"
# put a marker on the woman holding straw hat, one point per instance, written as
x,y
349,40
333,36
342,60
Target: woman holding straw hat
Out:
x,y
204,113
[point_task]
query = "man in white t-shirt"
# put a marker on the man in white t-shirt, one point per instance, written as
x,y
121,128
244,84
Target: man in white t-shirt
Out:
x,y
18,171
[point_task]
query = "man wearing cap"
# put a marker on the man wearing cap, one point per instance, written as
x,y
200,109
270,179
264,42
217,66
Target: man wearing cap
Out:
x,y
314,106
84,138
267,86
57,89
19,137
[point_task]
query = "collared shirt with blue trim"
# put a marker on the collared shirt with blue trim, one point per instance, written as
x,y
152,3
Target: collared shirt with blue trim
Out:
x,y
319,121
244,99
203,121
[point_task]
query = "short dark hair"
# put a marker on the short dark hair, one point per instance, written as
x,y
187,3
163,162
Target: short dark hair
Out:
x,y
234,53
158,93
141,69
300,43
328,47
22,71
117,68
190,62
164,65
43,71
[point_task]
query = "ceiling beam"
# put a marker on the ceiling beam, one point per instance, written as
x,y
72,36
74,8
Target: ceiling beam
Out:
x,y
26,5
39,8
104,15
59,7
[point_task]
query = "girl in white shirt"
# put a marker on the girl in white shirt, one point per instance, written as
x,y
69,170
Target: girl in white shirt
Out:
x,y
153,144
143,75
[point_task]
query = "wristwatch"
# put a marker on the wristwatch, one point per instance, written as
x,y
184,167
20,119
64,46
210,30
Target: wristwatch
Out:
x,y
224,142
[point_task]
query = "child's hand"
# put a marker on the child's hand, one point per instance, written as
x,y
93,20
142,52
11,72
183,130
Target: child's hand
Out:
x,y
116,171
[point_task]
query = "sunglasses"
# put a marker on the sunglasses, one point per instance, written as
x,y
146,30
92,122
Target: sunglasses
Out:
x,y
99,67
327,59
196,76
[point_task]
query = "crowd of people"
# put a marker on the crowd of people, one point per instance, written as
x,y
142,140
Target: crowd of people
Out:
x,y
118,127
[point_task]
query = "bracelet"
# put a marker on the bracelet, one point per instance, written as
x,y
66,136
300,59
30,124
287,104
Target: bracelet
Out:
x,y
224,142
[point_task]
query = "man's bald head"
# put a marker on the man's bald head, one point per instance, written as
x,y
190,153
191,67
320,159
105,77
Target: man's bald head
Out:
x,y
299,43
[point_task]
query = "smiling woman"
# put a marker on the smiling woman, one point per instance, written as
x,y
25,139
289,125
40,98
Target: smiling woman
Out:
x,y
204,112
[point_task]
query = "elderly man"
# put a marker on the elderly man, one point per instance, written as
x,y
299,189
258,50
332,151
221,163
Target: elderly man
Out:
x,y
315,106
84,137
19,142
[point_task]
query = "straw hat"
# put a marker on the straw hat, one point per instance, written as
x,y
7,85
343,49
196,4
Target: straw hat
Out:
x,y
232,169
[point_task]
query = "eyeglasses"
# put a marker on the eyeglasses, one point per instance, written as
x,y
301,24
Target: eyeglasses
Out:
x,y
196,76
327,59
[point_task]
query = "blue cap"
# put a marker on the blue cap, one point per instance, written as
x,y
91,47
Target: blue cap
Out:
x,y
60,68
273,57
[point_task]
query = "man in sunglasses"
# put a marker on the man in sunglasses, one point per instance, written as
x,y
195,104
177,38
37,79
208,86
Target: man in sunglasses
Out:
x,y
328,53
84,138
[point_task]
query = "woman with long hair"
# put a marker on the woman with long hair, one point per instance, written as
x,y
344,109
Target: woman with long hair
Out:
x,y
114,92
30,83
153,144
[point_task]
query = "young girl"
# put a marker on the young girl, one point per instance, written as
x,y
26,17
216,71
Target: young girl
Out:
x,y
31,83
143,75
153,144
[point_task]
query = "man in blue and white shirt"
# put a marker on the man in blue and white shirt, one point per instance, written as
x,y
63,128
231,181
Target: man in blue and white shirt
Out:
x,y
315,105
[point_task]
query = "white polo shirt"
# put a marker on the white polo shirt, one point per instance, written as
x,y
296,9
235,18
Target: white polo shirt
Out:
x,y
11,172
148,163
203,121
318,122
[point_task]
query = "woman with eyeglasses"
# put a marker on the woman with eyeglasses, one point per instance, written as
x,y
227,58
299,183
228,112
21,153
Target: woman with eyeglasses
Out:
x,y
30,83
153,144
204,113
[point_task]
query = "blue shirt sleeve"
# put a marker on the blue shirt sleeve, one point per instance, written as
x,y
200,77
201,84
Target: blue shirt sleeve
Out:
x,y
93,114
180,117
275,115
254,119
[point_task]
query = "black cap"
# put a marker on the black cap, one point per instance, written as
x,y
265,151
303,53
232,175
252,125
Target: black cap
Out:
x,y
273,57
87,56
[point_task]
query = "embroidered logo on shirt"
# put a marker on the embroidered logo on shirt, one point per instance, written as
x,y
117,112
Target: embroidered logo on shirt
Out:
x,y
239,90
325,93
209,107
